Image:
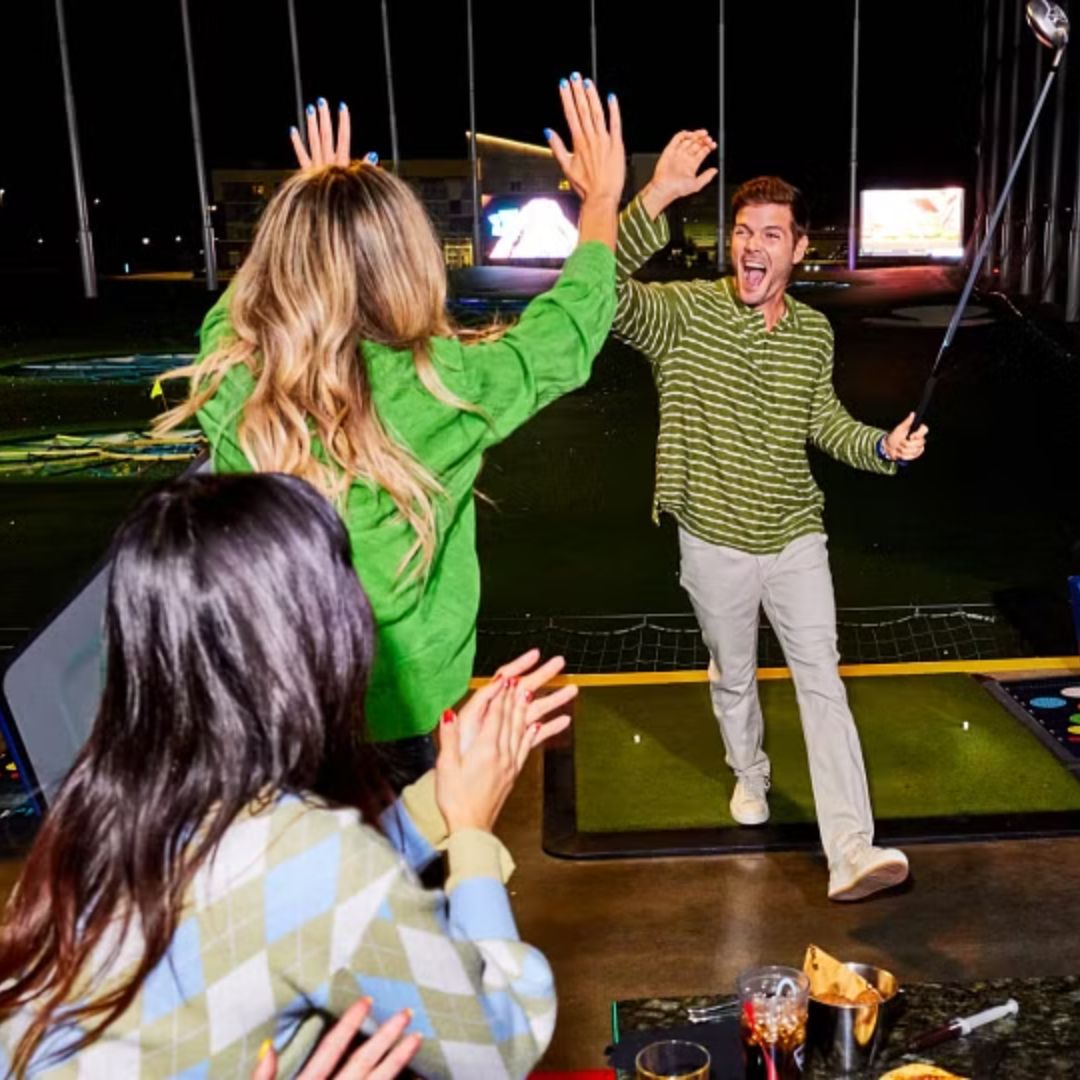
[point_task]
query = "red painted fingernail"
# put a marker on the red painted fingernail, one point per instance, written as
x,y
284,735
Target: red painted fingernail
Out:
x,y
512,681
449,716
527,695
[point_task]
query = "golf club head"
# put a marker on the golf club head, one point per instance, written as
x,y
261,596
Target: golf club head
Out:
x,y
1049,23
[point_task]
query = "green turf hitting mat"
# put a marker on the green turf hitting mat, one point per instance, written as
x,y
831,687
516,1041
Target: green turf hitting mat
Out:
x,y
650,757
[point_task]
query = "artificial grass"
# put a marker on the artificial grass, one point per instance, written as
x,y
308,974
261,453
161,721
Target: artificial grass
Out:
x,y
650,757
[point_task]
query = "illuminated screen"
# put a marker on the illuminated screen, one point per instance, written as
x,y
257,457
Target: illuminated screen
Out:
x,y
915,221
528,227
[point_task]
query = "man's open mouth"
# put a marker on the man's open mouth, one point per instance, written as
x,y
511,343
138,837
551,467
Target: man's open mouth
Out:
x,y
753,273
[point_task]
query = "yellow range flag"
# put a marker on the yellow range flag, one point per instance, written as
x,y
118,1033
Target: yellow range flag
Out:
x,y
156,391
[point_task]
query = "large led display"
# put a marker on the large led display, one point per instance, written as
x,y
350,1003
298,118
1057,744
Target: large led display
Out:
x,y
529,227
913,221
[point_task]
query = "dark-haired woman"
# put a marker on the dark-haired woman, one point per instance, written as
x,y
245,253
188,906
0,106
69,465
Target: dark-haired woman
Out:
x,y
223,865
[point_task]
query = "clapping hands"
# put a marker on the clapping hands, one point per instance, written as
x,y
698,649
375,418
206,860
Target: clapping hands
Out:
x,y
484,748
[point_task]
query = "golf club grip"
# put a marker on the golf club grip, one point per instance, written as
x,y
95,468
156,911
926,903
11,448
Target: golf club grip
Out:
x,y
924,404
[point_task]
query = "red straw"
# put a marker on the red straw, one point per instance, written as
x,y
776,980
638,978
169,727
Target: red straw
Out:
x,y
770,1065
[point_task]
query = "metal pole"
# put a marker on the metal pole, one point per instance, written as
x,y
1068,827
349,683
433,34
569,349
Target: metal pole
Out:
x,y
390,88
1008,237
86,240
853,210
721,177
592,40
1031,205
995,129
474,163
301,119
200,171
980,153
1072,291
1053,216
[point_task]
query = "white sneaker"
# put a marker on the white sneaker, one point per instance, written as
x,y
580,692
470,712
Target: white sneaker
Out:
x,y
867,871
748,804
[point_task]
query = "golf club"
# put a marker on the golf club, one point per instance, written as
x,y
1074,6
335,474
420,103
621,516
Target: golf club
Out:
x,y
1050,25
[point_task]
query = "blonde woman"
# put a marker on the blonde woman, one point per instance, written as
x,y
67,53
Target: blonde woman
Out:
x,y
331,357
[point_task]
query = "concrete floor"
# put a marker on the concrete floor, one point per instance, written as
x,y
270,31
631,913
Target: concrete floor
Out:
x,y
637,928
644,927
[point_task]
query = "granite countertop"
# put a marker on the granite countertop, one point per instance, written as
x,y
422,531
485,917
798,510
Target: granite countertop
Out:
x,y
1042,1042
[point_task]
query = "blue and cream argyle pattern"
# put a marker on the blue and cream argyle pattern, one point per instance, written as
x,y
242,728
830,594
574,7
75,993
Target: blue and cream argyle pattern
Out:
x,y
302,910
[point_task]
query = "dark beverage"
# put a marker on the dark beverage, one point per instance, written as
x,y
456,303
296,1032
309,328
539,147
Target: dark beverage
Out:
x,y
774,1039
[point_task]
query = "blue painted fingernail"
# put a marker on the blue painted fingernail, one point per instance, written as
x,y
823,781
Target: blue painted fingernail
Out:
x,y
563,84
548,133
588,84
322,103
293,131
611,99
311,110
342,106
576,76
372,158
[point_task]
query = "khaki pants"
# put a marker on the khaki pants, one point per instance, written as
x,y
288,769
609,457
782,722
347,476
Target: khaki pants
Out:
x,y
727,588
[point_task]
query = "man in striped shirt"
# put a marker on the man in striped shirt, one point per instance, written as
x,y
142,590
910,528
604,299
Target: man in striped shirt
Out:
x,y
744,374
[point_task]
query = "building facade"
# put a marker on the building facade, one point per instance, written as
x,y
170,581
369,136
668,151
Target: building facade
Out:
x,y
508,170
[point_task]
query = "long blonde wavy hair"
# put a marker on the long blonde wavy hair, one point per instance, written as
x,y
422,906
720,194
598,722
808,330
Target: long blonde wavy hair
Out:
x,y
343,254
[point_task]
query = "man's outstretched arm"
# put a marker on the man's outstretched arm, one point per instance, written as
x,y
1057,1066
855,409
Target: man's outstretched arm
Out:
x,y
650,317
834,430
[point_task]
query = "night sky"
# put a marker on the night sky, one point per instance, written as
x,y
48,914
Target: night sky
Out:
x,y
788,96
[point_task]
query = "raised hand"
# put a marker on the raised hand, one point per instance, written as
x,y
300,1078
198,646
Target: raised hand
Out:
x,y
597,166
322,148
676,173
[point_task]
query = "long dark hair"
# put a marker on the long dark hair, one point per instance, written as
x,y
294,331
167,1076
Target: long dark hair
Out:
x,y
238,645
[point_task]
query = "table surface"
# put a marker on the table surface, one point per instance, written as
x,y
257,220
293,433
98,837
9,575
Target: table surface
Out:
x,y
1042,1042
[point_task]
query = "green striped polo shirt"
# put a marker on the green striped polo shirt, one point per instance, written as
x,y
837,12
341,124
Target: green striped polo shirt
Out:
x,y
738,404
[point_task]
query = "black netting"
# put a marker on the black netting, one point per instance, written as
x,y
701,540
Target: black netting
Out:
x,y
628,643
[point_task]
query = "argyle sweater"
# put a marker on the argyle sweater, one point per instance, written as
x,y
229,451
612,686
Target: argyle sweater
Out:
x,y
302,911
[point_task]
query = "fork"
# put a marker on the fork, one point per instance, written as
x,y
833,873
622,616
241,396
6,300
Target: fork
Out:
x,y
703,1014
